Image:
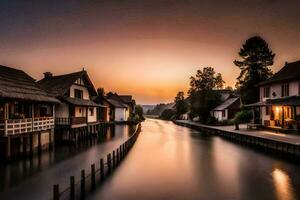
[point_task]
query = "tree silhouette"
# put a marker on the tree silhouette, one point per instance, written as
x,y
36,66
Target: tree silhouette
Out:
x,y
180,104
203,95
207,79
255,59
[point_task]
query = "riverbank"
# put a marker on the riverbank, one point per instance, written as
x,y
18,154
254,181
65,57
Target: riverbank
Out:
x,y
279,142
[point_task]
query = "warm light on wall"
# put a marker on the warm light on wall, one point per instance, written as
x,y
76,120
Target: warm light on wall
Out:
x,y
277,109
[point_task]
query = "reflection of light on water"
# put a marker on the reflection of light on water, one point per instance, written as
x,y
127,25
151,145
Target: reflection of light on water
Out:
x,y
282,185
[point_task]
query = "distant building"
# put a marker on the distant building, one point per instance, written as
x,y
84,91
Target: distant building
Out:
x,y
279,105
227,109
128,100
75,90
26,114
119,109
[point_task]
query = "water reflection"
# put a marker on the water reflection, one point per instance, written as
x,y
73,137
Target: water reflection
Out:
x,y
282,183
173,162
35,177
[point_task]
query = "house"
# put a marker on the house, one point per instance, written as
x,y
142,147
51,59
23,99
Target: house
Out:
x,y
119,110
130,102
227,109
75,91
26,114
279,105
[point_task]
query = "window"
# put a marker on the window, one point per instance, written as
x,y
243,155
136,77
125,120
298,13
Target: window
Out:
x,y
266,92
79,81
91,111
223,113
285,90
78,94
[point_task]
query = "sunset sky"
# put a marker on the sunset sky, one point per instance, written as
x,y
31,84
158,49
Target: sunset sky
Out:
x,y
145,48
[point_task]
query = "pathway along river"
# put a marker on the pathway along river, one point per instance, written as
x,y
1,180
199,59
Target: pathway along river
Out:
x,y
173,162
34,179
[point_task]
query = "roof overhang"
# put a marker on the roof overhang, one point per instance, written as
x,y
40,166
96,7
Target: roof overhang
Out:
x,y
286,101
82,102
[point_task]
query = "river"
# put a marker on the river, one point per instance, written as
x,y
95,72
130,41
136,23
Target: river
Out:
x,y
34,178
174,162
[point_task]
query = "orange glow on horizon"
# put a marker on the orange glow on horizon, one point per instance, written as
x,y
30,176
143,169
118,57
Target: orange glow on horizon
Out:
x,y
143,48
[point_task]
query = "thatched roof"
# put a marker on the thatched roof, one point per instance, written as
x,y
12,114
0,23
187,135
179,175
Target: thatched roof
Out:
x,y
16,84
59,85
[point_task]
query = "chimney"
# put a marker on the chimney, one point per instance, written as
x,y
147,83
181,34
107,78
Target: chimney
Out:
x,y
48,74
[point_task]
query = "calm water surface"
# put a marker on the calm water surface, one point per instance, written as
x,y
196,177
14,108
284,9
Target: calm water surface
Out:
x,y
173,162
33,179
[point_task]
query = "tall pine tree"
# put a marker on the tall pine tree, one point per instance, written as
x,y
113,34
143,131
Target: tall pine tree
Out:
x,y
256,57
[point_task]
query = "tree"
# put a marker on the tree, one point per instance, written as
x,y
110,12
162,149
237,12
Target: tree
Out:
x,y
203,93
207,79
139,112
256,57
244,116
167,114
180,104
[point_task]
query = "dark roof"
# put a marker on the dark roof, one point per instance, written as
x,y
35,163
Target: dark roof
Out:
x,y
286,101
226,104
81,102
126,98
59,85
290,71
116,103
16,84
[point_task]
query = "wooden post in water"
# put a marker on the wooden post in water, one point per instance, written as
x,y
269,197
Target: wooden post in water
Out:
x,y
72,187
118,156
120,152
101,169
56,192
82,186
109,162
114,159
93,176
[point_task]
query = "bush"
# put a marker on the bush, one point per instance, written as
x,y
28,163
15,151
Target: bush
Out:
x,y
134,118
243,116
167,114
211,120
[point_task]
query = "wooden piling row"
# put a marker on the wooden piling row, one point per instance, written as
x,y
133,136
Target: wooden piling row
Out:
x,y
112,161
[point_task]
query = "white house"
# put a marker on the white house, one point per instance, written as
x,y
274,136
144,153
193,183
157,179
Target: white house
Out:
x,y
279,105
119,110
227,109
75,91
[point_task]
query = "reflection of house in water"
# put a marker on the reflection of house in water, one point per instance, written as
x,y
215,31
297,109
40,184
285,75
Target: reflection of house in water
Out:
x,y
279,105
26,114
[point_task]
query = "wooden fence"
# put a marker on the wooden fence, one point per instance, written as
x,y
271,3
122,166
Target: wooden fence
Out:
x,y
88,182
